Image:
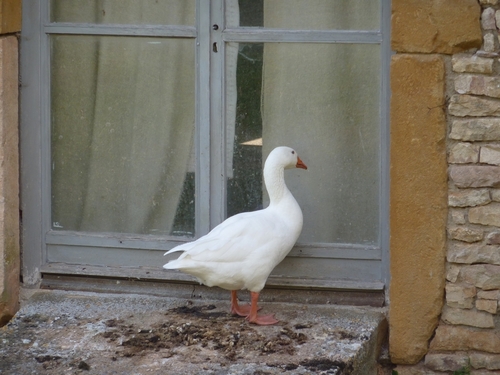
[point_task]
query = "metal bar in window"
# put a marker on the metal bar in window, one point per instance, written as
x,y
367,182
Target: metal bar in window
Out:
x,y
252,34
337,251
30,135
45,138
120,241
385,94
202,139
112,240
72,277
121,30
217,105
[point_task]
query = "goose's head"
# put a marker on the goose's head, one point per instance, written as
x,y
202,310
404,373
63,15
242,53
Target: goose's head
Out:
x,y
286,157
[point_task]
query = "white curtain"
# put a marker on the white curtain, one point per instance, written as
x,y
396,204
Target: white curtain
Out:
x,y
123,120
323,100
123,116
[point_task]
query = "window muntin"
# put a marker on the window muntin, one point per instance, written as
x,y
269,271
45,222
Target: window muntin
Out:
x,y
152,12
306,15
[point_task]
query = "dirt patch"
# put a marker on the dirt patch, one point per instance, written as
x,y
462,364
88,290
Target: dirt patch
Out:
x,y
190,326
325,364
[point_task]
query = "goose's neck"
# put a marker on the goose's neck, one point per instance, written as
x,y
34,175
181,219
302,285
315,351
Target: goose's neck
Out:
x,y
274,178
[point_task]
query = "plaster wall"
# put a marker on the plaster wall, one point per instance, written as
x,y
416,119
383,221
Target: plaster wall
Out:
x,y
10,22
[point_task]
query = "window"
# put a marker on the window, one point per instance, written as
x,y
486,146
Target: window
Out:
x,y
147,123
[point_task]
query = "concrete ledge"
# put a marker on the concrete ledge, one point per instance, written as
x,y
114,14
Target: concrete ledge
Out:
x,y
57,332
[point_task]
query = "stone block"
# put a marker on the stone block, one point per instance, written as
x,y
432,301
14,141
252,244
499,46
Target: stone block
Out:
x,y
457,216
446,362
429,26
487,305
490,155
465,63
9,179
465,176
467,317
489,294
488,2
490,42
488,19
486,215
484,372
468,105
418,209
493,238
452,272
469,198
484,276
478,85
495,195
483,360
482,129
463,152
465,234
460,295
419,369
471,254
452,337
10,16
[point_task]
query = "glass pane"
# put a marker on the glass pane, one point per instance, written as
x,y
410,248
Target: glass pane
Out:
x,y
305,14
122,114
323,100
163,12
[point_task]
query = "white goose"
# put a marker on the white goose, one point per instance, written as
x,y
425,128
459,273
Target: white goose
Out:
x,y
241,252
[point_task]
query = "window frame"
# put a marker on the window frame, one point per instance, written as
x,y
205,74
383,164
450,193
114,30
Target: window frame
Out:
x,y
66,252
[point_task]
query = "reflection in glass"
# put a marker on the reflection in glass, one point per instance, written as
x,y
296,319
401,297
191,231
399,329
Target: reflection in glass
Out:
x,y
245,184
323,100
153,12
122,115
306,14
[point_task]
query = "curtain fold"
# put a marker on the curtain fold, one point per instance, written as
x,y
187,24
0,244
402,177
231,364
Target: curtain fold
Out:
x,y
123,123
323,100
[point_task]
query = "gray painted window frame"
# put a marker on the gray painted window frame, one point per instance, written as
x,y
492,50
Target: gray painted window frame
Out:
x,y
48,251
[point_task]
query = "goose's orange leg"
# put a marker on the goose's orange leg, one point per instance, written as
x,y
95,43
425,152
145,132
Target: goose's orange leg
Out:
x,y
237,309
259,319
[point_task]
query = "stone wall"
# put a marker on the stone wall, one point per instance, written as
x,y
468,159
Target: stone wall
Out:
x,y
467,338
424,35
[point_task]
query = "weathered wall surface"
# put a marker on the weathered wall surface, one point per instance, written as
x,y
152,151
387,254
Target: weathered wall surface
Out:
x,y
10,16
467,337
10,22
418,202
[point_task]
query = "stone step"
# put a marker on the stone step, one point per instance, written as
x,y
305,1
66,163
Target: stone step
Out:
x,y
60,332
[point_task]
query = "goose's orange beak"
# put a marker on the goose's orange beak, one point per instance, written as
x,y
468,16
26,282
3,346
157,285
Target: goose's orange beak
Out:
x,y
300,164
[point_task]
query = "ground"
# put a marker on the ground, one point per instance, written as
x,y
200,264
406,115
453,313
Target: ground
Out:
x,y
59,332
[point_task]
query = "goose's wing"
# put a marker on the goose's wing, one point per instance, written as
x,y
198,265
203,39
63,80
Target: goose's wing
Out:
x,y
234,239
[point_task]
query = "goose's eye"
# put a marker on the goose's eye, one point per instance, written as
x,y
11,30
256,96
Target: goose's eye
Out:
x,y
293,152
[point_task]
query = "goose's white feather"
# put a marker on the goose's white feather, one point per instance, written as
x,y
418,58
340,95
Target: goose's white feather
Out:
x,y
241,252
